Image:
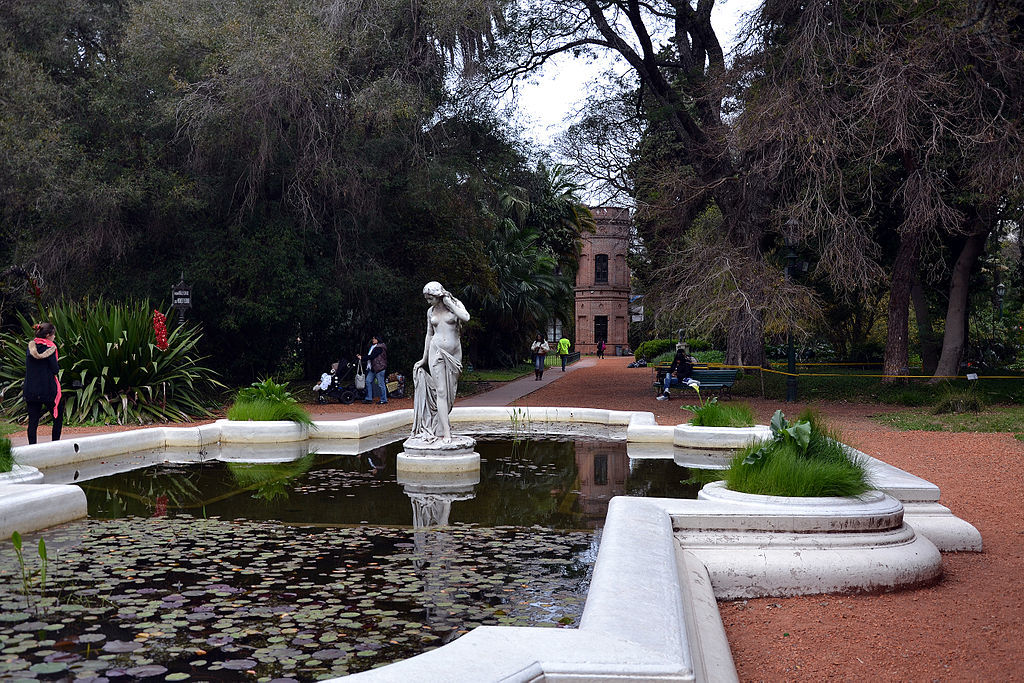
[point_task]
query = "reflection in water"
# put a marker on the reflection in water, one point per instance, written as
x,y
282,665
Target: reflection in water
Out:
x,y
554,484
432,497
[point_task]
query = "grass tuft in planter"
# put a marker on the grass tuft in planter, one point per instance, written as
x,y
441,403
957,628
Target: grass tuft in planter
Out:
x,y
715,414
266,401
6,456
802,459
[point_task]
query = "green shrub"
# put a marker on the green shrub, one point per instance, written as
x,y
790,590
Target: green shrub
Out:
x,y
710,356
715,414
957,401
266,389
697,344
6,456
111,349
267,400
654,347
804,458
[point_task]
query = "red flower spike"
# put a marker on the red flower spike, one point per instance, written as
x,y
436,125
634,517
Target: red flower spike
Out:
x,y
160,329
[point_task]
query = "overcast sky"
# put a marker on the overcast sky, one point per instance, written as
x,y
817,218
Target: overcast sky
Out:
x,y
562,85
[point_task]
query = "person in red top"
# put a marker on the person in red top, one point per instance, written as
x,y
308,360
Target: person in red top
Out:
x,y
42,386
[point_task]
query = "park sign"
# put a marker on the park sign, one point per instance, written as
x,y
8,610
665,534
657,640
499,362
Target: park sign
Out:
x,y
181,297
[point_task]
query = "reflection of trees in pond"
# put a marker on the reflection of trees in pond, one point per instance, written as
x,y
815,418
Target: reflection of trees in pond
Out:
x,y
270,481
525,485
656,478
154,491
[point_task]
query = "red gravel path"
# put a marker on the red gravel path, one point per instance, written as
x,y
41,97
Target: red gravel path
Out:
x,y
968,627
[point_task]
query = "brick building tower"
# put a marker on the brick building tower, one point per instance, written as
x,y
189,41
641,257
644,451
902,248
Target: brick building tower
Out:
x,y
602,283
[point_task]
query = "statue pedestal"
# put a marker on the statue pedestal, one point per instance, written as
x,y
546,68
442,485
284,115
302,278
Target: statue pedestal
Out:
x,y
438,457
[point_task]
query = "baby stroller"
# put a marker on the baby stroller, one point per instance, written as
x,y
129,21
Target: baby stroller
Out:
x,y
337,385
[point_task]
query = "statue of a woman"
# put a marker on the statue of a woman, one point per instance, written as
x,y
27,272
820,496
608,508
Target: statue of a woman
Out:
x,y
436,375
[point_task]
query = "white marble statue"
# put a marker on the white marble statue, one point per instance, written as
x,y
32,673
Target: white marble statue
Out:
x,y
436,375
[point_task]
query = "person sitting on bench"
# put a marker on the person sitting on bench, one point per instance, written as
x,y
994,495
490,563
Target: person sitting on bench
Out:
x,y
682,366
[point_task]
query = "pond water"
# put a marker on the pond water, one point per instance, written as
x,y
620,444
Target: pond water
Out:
x,y
311,568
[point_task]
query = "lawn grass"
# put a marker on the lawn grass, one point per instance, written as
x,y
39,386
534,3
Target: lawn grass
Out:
x,y
860,385
9,428
497,374
992,419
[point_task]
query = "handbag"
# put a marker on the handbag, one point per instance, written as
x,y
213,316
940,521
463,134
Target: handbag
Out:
x,y
360,377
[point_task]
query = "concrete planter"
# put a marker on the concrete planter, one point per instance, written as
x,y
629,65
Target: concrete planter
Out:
x,y
757,546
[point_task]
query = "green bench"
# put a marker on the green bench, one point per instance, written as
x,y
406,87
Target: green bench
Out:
x,y
709,378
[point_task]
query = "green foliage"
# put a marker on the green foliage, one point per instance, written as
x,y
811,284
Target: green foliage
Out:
x,y
26,576
958,401
653,348
6,457
804,458
264,410
266,389
715,414
111,349
710,356
267,400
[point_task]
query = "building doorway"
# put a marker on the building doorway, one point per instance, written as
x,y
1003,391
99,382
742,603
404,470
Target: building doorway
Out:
x,y
600,328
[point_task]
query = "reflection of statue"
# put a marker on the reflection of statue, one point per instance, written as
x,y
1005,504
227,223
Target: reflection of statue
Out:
x,y
436,375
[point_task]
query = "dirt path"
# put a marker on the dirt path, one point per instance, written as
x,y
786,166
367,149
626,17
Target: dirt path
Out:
x,y
968,627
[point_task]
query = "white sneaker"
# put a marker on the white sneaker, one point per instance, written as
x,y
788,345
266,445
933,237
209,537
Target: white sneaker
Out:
x,y
663,397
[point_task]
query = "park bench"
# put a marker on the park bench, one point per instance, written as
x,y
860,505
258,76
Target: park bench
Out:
x,y
709,378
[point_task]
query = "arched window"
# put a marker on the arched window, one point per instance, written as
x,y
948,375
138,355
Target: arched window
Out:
x,y
601,269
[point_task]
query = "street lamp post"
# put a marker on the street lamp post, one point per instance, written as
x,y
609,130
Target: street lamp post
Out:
x,y
790,352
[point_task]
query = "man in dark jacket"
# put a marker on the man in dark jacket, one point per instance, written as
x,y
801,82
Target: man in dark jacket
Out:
x,y
377,371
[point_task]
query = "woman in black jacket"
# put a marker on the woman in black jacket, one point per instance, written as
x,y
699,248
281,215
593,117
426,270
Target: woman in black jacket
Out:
x,y
42,387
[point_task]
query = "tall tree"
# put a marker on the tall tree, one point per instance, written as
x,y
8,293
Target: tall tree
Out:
x,y
685,166
902,117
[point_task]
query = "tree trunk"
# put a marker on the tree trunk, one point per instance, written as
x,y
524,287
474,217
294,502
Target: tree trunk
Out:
x,y
903,272
930,345
956,313
745,343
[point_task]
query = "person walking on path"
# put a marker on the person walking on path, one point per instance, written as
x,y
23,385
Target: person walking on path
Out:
x,y
600,348
42,385
563,349
539,349
376,370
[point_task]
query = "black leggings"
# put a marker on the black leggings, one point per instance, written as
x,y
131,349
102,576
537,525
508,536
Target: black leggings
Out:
x,y
35,411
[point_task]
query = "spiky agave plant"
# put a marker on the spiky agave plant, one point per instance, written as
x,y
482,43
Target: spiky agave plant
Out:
x,y
111,349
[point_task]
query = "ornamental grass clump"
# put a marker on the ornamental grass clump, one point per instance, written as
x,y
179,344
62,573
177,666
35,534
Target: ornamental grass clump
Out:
x,y
957,401
6,456
267,400
116,368
802,459
714,414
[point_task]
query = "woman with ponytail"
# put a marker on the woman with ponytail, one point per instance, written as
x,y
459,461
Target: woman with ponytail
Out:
x,y
42,387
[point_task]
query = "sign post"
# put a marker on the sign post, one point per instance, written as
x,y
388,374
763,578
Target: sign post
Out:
x,y
181,298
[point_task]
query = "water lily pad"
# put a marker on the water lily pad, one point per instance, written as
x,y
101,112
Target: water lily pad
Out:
x,y
121,646
239,664
146,671
46,668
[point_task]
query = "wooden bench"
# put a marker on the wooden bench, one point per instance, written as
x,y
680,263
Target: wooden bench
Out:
x,y
709,378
